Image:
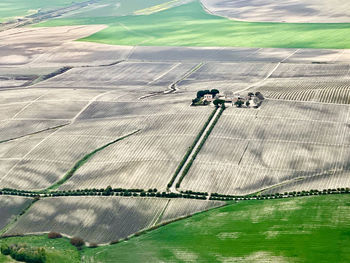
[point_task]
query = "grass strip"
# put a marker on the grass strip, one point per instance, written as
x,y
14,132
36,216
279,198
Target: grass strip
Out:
x,y
190,149
189,164
82,161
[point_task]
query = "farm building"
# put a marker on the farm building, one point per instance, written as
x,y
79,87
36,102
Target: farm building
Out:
x,y
208,97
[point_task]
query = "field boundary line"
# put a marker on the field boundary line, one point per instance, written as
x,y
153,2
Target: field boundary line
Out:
x,y
259,83
30,103
83,160
34,133
174,66
88,104
159,218
290,55
28,153
172,88
301,178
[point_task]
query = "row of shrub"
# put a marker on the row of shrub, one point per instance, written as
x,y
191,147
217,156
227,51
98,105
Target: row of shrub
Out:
x,y
194,193
154,193
220,197
190,149
189,164
109,191
22,252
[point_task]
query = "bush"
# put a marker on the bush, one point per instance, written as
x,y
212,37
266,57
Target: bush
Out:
x,y
21,252
54,235
5,249
77,242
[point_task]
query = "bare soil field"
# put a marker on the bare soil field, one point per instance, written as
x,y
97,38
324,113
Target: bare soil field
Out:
x,y
127,74
10,207
54,47
227,76
327,83
114,91
282,142
294,11
147,159
104,219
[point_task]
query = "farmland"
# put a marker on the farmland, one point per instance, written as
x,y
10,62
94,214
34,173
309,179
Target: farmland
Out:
x,y
10,207
10,9
294,11
243,156
103,219
195,27
297,230
98,138
281,230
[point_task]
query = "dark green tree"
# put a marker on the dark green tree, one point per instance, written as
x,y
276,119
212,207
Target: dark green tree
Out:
x,y
214,92
239,103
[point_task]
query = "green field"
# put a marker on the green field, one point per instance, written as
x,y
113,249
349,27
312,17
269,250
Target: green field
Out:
x,y
20,8
308,229
190,25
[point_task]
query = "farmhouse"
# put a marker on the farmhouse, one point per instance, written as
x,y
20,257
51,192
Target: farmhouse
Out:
x,y
208,97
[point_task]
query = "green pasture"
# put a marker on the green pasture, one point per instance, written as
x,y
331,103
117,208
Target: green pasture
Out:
x,y
190,25
309,229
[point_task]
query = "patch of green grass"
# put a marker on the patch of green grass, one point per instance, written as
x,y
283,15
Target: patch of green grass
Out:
x,y
309,229
58,250
19,8
6,259
190,25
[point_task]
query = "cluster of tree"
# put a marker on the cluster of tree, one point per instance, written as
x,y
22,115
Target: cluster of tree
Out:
x,y
77,242
54,235
201,93
109,191
22,252
240,103
194,193
219,102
